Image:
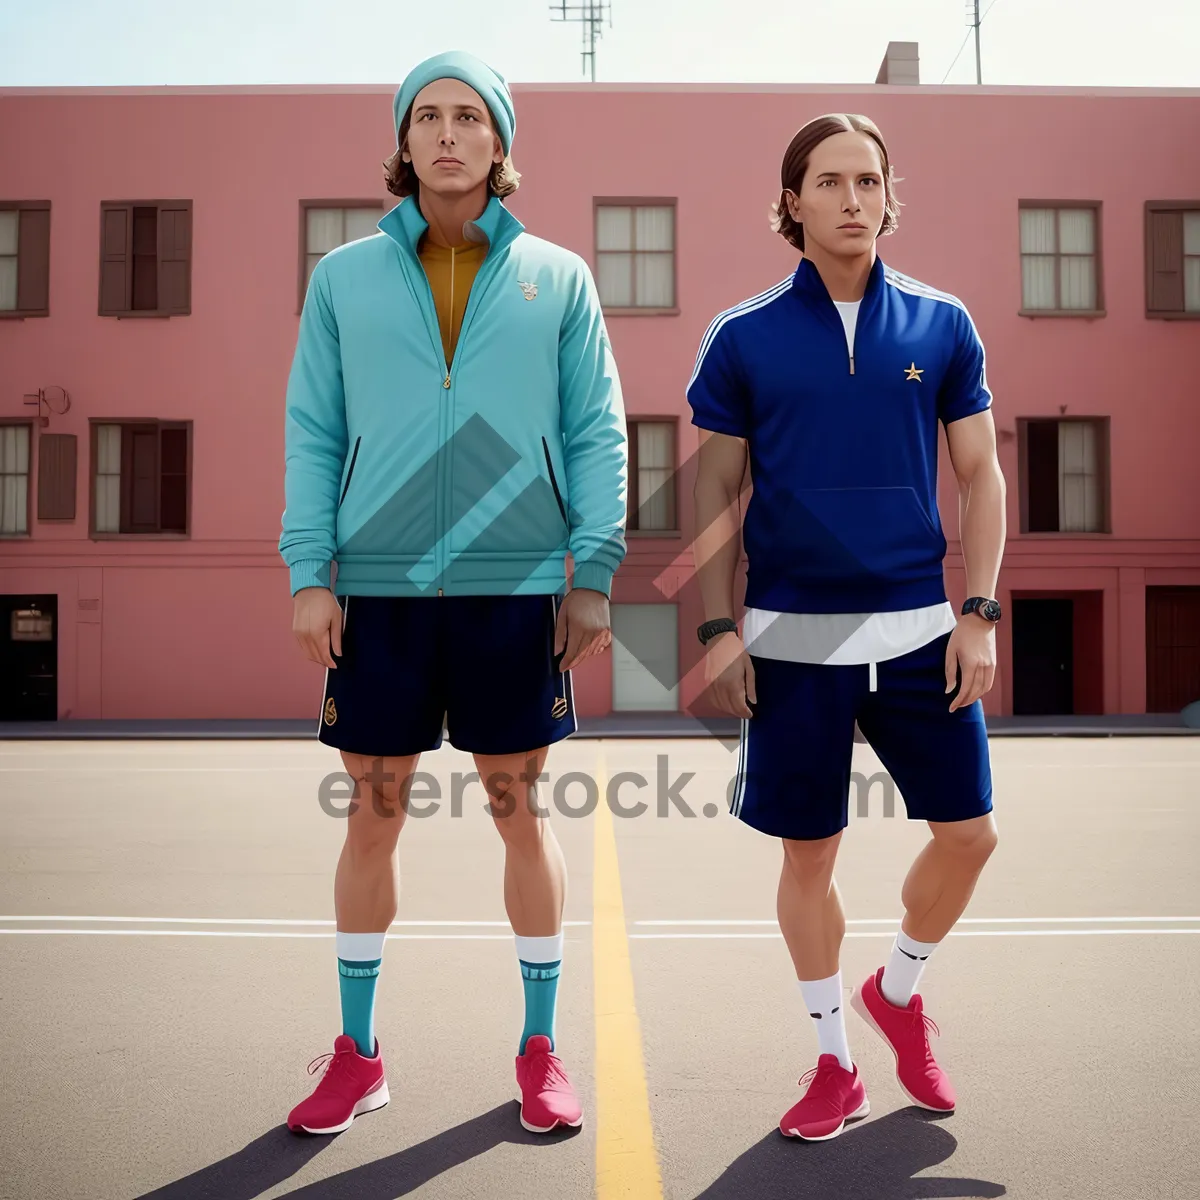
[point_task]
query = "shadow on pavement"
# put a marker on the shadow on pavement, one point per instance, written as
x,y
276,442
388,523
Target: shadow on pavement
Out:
x,y
875,1160
276,1156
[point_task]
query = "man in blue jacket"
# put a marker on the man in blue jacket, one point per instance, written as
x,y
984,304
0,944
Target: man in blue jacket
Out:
x,y
832,385
455,428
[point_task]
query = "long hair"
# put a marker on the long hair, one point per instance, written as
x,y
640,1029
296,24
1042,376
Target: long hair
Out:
x,y
401,177
795,164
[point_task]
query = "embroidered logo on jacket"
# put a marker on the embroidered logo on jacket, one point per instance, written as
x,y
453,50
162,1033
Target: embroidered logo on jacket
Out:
x,y
911,372
530,289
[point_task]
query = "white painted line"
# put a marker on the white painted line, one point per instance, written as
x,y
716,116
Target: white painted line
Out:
x,y
265,921
253,933
962,921
887,933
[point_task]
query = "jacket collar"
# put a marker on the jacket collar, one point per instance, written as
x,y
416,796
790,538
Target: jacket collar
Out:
x,y
808,282
405,225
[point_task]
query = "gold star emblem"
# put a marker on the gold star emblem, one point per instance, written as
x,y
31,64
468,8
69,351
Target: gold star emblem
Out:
x,y
911,372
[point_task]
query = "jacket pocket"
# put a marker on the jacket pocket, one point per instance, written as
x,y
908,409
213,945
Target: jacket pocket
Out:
x,y
554,482
851,535
350,473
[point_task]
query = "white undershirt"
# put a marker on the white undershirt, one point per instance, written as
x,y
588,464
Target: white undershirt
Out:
x,y
845,638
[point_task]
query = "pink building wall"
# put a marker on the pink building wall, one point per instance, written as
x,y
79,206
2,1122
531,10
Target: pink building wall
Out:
x,y
201,627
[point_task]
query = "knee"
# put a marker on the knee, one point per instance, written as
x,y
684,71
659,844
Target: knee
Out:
x,y
811,862
973,842
517,818
374,825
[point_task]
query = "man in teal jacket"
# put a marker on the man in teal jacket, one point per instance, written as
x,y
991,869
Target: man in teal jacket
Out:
x,y
454,429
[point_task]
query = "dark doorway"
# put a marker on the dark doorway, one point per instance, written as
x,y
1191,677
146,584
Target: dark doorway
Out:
x,y
1172,648
1043,657
28,658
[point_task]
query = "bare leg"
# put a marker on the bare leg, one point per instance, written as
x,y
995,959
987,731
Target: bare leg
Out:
x,y
535,874
941,881
809,906
366,887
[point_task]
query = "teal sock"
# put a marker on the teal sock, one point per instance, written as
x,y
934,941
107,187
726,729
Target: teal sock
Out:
x,y
540,981
357,980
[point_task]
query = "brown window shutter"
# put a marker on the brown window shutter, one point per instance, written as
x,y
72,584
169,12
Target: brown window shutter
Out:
x,y
56,477
173,472
174,258
1042,479
139,479
115,236
1166,262
33,261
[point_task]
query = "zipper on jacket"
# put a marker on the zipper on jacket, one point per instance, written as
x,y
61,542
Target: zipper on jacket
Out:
x,y
554,483
350,473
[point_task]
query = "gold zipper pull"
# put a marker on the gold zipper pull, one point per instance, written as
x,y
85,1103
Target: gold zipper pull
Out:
x,y
446,381
440,592
851,367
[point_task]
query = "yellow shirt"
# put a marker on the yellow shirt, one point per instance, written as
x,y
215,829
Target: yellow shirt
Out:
x,y
451,273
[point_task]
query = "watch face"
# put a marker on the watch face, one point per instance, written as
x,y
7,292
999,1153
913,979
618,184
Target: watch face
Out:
x,y
991,610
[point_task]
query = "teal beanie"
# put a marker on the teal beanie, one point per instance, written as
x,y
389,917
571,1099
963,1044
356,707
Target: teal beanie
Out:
x,y
457,64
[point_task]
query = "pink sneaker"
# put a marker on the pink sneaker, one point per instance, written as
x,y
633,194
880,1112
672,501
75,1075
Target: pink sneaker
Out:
x,y
834,1097
547,1097
350,1086
906,1031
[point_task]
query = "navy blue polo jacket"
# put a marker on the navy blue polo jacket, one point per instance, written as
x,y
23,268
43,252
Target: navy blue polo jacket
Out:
x,y
843,446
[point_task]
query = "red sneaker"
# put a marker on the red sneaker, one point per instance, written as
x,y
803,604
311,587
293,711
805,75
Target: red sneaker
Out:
x,y
834,1097
351,1085
906,1030
547,1097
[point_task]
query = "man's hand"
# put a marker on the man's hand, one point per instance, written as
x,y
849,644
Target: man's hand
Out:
x,y
729,674
317,624
584,627
972,648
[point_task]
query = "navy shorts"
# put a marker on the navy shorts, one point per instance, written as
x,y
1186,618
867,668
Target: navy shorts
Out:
x,y
794,758
481,667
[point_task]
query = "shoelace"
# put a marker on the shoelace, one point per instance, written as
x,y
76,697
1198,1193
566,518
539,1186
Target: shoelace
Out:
x,y
323,1059
550,1071
813,1072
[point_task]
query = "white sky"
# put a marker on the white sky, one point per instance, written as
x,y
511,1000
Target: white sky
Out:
x,y
1032,42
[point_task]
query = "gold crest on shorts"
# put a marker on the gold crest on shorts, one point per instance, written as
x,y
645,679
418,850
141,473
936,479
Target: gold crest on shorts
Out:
x,y
330,711
559,709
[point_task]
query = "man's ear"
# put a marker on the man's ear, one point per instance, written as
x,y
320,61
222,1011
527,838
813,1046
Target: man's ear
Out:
x,y
497,150
793,204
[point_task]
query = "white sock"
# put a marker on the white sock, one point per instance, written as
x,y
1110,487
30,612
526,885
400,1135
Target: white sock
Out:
x,y
359,947
540,949
903,970
823,999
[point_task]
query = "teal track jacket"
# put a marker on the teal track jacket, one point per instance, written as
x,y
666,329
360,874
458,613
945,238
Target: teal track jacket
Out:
x,y
420,480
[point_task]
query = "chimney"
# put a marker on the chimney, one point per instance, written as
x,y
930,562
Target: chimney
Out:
x,y
900,65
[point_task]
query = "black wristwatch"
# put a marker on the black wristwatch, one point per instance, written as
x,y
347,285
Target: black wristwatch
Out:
x,y
989,610
710,629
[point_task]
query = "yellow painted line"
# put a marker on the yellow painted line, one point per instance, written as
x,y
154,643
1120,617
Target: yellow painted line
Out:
x,y
626,1162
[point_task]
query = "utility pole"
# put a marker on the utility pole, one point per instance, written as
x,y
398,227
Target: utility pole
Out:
x,y
973,22
590,14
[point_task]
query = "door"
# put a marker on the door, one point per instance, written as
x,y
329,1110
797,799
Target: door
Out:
x,y
1043,658
1172,648
645,657
28,658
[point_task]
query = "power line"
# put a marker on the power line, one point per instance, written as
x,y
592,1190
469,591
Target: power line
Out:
x,y
974,21
590,14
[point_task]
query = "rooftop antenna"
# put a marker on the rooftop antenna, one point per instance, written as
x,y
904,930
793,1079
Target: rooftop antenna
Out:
x,y
590,14
974,21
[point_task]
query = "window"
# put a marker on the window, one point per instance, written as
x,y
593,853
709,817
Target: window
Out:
x,y
327,224
645,657
145,258
1173,258
1064,475
652,490
24,258
141,471
635,255
14,479
1060,267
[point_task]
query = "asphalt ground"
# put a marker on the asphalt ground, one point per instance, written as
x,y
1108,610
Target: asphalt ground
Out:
x,y
167,972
